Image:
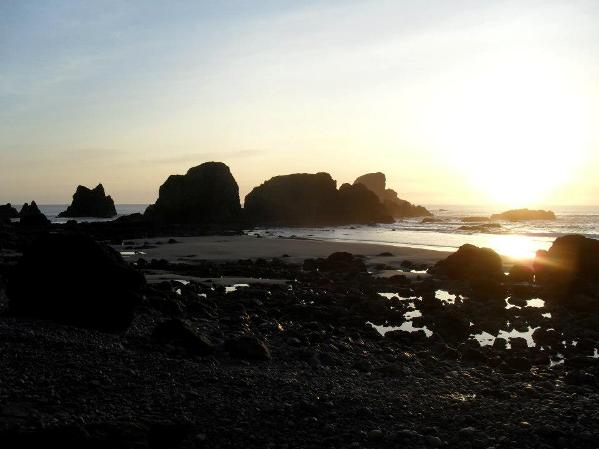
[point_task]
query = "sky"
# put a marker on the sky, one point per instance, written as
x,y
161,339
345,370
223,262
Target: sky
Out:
x,y
457,102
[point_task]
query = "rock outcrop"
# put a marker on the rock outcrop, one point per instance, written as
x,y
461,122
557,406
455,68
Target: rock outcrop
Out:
x,y
469,263
7,211
207,194
571,263
304,199
524,215
90,203
396,207
30,215
72,279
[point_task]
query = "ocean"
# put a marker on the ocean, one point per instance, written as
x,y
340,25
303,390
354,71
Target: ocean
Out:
x,y
519,240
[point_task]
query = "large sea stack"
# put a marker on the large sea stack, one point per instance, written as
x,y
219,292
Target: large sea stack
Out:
x,y
396,207
207,194
90,203
305,199
524,215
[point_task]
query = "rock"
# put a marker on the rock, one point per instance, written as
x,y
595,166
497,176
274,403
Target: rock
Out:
x,y
247,348
30,215
396,207
181,333
470,262
207,194
571,263
431,220
7,212
376,435
524,215
474,219
72,279
361,206
521,273
519,363
90,203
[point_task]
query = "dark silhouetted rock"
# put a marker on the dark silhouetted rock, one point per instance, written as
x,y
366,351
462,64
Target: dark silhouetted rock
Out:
x,y
207,194
524,215
339,262
361,206
572,262
31,216
8,212
90,203
180,333
396,207
247,348
72,279
521,273
470,262
301,199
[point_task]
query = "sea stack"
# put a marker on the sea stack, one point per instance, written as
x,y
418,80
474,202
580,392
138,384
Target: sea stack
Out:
x,y
396,207
7,211
206,194
30,215
307,199
90,203
524,215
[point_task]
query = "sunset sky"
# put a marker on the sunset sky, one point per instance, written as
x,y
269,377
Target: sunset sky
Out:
x,y
458,102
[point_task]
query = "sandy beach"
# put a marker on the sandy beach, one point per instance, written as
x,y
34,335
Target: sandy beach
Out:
x,y
232,248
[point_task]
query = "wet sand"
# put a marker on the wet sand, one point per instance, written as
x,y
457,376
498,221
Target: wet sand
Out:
x,y
232,248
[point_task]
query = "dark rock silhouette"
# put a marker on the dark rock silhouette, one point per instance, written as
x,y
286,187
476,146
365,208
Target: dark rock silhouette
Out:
x,y
360,205
31,216
207,194
72,279
396,207
521,273
572,262
474,219
470,262
524,214
247,347
304,199
90,203
180,333
7,211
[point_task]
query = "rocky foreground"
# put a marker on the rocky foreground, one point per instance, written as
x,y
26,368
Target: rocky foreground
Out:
x,y
292,359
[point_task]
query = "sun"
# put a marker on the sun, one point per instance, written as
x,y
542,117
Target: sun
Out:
x,y
516,132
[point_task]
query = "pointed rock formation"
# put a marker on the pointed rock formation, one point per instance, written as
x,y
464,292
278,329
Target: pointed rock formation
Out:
x,y
207,194
31,215
396,207
90,203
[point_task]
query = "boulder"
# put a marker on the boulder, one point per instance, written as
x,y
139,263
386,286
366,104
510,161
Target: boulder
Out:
x,y
72,279
181,333
470,262
7,211
572,262
396,207
339,262
206,194
524,215
247,348
521,273
90,203
30,215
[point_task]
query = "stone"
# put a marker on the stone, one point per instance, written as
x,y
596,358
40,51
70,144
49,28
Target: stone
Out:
x,y
360,206
7,211
396,207
470,262
72,279
207,194
247,348
181,333
90,203
30,215
524,215
521,273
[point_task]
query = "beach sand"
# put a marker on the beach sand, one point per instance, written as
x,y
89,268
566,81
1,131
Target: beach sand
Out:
x,y
233,248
